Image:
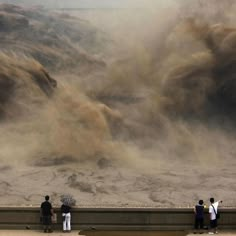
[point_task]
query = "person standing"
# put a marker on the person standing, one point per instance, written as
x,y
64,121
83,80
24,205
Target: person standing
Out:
x,y
46,211
213,209
199,216
66,217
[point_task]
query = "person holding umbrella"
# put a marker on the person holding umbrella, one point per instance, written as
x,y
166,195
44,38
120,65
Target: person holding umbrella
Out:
x,y
67,202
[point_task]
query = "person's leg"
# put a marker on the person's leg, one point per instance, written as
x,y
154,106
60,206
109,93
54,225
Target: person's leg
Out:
x,y
215,226
68,221
211,227
44,219
50,224
201,224
196,224
64,222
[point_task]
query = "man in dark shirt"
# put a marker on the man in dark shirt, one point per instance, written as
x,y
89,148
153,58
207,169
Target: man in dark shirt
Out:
x,y
46,211
199,215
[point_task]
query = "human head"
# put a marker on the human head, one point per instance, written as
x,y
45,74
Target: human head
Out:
x,y
46,197
212,200
200,202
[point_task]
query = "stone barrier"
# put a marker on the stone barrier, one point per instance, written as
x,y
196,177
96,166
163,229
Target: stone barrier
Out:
x,y
114,218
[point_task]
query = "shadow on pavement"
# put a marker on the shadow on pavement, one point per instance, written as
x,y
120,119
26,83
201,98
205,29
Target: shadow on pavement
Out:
x,y
132,233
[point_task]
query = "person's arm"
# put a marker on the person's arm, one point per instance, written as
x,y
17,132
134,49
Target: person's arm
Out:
x,y
41,210
218,203
51,210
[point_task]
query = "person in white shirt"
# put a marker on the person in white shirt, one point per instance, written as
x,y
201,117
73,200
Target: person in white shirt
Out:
x,y
213,209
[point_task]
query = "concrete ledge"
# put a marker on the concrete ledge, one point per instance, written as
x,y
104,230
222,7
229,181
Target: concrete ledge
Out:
x,y
114,218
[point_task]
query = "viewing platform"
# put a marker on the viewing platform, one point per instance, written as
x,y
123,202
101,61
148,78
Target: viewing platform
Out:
x,y
106,233
128,219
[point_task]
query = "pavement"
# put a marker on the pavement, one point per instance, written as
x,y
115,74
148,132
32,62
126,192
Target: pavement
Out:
x,y
35,233
105,233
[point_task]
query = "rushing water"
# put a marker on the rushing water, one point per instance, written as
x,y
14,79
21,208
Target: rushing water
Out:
x,y
144,115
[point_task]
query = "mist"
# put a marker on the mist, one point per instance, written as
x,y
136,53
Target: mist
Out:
x,y
121,107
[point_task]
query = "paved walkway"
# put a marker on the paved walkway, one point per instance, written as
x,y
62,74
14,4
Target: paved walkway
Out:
x,y
36,233
105,233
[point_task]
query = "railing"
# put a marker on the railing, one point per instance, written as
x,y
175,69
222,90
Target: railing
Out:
x,y
114,218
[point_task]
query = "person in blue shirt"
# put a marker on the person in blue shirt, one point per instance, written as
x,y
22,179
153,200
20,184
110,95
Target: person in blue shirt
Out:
x,y
199,216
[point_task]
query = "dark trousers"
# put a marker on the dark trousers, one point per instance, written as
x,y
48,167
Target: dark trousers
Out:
x,y
198,223
47,220
213,224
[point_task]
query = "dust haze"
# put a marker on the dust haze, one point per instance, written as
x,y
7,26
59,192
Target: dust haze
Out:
x,y
120,107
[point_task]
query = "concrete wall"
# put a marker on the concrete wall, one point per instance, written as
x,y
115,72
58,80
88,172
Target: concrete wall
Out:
x,y
114,218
